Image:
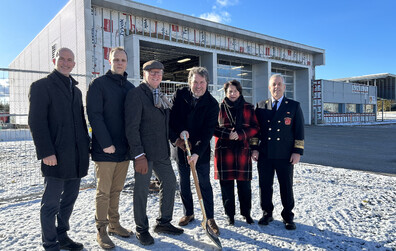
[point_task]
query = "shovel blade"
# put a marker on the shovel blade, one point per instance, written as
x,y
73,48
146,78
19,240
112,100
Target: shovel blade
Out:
x,y
212,236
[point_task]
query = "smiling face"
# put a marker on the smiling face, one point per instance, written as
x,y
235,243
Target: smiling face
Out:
x,y
276,87
198,85
153,77
64,61
232,93
118,62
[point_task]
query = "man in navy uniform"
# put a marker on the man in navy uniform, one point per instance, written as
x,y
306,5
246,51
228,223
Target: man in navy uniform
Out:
x,y
281,138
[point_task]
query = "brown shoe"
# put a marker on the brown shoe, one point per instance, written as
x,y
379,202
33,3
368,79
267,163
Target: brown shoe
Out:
x,y
103,239
185,220
120,231
212,224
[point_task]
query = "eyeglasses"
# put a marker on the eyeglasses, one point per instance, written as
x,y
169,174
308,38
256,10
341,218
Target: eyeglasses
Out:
x,y
154,73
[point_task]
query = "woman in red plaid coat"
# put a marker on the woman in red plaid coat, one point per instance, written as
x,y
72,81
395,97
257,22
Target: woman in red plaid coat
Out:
x,y
237,124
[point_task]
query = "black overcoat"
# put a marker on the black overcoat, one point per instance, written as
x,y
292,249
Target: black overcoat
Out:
x,y
146,126
199,120
58,127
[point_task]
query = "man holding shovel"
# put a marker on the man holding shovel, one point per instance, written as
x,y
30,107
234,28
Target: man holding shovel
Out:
x,y
194,114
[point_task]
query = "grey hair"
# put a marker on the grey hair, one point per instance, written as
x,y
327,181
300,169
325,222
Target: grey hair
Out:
x,y
276,76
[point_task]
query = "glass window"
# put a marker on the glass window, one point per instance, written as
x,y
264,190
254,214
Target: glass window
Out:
x,y
330,108
350,108
368,108
289,95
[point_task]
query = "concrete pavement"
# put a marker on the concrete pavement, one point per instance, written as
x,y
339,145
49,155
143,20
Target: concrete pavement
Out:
x,y
367,148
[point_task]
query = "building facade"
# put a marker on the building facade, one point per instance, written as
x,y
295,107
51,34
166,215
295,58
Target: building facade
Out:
x,y
340,102
92,27
385,83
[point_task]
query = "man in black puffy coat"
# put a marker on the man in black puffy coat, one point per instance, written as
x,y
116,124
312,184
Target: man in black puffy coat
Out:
x,y
59,131
110,151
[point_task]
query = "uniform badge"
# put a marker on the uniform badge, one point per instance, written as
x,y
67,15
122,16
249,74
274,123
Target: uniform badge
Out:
x,y
287,121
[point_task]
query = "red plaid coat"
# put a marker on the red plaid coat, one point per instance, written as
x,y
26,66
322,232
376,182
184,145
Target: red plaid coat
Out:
x,y
232,158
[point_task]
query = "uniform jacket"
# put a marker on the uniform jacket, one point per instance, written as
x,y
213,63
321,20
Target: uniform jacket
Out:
x,y
58,126
105,108
199,120
232,158
283,134
147,127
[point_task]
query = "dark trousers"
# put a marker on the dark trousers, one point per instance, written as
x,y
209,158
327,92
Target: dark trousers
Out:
x,y
57,205
244,195
164,172
284,172
203,171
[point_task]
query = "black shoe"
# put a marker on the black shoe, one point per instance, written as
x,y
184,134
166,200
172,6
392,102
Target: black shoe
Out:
x,y
231,220
290,225
249,219
168,228
69,244
265,220
145,238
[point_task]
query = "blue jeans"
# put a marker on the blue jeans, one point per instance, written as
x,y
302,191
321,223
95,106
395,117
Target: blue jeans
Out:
x,y
203,172
57,205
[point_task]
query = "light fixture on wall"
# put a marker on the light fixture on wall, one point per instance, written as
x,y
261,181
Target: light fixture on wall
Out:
x,y
183,60
237,67
242,74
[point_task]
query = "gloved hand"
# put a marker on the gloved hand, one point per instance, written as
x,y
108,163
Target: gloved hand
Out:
x,y
141,165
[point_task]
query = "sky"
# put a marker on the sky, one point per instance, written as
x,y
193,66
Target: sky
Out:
x,y
358,36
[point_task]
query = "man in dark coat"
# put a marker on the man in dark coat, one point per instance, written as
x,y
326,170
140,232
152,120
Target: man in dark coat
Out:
x,y
281,145
110,150
59,131
147,130
194,114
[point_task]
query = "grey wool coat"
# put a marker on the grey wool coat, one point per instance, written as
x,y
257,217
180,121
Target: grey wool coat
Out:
x,y
146,126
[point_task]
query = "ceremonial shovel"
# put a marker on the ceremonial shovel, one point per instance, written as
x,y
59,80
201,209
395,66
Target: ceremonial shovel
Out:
x,y
205,225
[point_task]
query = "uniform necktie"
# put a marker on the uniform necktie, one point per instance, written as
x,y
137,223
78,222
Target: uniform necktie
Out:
x,y
275,107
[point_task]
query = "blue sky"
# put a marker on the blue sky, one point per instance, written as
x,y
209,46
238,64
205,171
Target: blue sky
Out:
x,y
359,36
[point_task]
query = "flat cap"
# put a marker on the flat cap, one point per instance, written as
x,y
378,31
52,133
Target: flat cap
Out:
x,y
153,64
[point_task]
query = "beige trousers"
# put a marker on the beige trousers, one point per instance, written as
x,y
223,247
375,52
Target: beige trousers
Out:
x,y
110,179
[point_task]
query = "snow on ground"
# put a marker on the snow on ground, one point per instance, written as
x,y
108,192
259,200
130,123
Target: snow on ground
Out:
x,y
336,209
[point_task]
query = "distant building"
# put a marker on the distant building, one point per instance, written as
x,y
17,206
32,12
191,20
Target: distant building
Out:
x,y
385,83
340,102
92,27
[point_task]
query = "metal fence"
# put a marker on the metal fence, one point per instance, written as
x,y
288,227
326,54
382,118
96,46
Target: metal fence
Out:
x,y
20,174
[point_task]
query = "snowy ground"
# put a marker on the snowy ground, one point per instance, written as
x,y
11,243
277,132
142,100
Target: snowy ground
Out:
x,y
336,209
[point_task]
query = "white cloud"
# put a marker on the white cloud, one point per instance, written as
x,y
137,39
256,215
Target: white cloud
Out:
x,y
222,17
217,15
225,3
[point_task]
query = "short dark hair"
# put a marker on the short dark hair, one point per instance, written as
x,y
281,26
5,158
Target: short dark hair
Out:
x,y
202,71
235,83
119,48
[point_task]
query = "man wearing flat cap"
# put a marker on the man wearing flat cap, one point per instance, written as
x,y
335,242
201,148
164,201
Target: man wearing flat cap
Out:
x,y
146,125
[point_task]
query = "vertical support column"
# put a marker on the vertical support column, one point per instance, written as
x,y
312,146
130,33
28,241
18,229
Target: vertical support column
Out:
x,y
303,92
261,73
209,61
132,47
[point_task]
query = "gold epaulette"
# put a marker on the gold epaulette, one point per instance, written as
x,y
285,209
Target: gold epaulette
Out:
x,y
299,144
253,141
